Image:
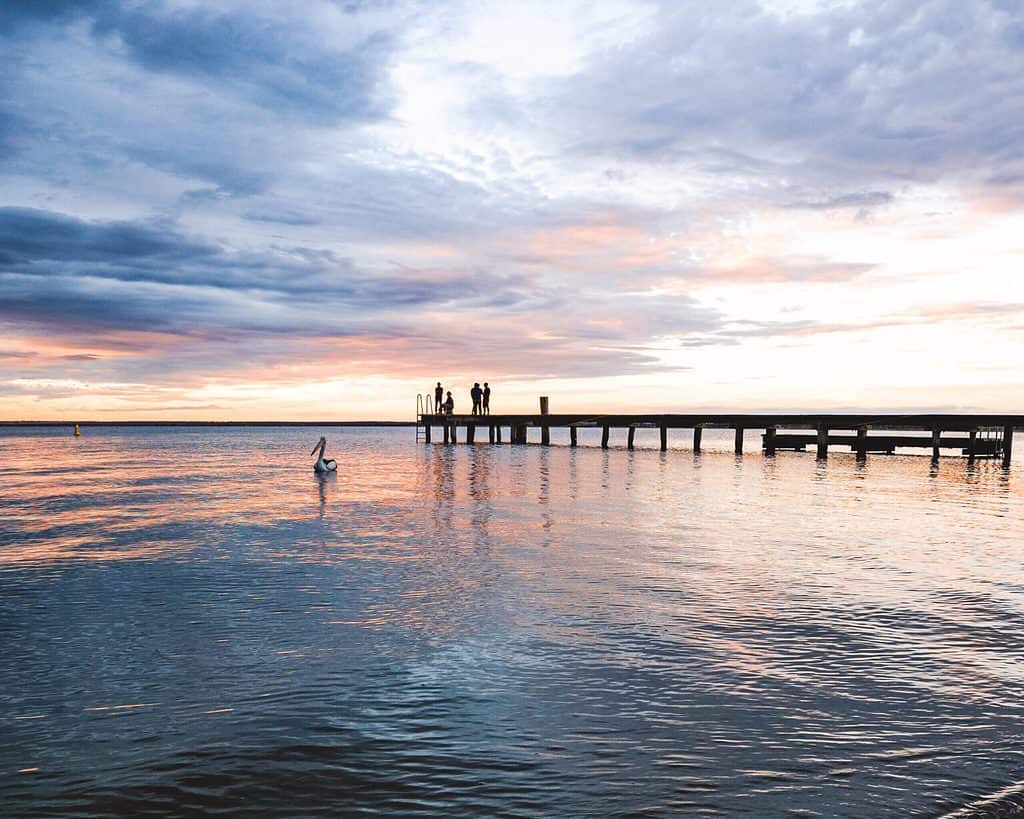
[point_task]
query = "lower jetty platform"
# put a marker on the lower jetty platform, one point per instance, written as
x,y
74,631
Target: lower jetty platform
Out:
x,y
975,436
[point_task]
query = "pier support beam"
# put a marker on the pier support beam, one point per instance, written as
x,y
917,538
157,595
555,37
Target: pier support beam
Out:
x,y
572,436
490,434
470,433
972,447
936,444
769,441
545,435
822,442
738,441
497,433
1007,445
447,432
629,437
664,438
861,446
604,437
426,434
698,433
455,433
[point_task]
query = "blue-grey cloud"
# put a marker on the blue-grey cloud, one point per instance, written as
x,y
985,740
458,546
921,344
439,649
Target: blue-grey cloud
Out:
x,y
277,63
853,94
30,235
55,268
205,94
15,15
866,199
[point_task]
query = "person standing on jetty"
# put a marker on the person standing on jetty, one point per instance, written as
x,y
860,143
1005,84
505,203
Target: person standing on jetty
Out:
x,y
438,397
449,404
486,407
476,394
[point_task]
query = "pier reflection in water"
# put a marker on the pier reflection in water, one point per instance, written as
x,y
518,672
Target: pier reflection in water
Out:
x,y
501,630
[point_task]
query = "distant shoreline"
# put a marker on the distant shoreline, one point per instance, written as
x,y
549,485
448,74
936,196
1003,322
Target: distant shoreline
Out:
x,y
208,423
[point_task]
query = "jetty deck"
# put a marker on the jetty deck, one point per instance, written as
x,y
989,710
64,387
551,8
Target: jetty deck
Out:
x,y
975,435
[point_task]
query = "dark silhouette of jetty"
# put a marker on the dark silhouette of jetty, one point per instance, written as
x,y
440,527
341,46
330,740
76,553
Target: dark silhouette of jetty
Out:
x,y
975,435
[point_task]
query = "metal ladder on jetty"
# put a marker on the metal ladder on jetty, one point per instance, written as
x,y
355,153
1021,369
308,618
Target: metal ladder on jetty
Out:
x,y
989,442
424,406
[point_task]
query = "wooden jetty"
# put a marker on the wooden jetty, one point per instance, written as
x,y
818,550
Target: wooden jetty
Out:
x,y
976,436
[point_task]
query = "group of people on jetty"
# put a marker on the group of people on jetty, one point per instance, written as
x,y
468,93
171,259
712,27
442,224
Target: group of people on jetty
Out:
x,y
481,397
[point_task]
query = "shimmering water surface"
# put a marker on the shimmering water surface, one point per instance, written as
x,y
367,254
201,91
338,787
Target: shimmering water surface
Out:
x,y
193,623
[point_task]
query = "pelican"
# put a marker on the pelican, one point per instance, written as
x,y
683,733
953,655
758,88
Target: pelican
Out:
x,y
323,465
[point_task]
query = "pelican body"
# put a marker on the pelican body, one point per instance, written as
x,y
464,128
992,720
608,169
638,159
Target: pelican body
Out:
x,y
323,465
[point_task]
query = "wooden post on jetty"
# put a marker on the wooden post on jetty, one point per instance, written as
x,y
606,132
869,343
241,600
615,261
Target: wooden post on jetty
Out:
x,y
972,446
572,436
698,431
664,438
604,437
426,434
470,433
1007,446
490,433
769,441
455,437
497,433
545,430
447,431
862,443
738,442
630,436
822,442
936,444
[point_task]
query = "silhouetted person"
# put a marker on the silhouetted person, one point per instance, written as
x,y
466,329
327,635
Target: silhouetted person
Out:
x,y
438,397
477,395
449,404
487,399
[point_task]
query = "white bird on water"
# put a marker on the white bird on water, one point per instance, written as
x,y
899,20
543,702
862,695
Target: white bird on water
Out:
x,y
323,465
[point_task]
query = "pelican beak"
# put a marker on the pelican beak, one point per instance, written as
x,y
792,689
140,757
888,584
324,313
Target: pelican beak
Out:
x,y
314,449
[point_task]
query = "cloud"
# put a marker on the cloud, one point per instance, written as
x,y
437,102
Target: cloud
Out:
x,y
822,103
787,269
284,217
279,63
868,199
927,315
215,96
16,15
30,235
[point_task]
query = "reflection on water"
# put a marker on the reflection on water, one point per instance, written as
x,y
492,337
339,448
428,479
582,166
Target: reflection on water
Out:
x,y
503,630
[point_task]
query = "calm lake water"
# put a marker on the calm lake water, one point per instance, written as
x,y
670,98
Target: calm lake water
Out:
x,y
193,623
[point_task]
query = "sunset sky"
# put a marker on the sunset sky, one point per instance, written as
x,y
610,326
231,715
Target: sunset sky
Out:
x,y
315,210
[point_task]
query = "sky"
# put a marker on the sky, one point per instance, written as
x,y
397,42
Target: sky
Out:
x,y
316,210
